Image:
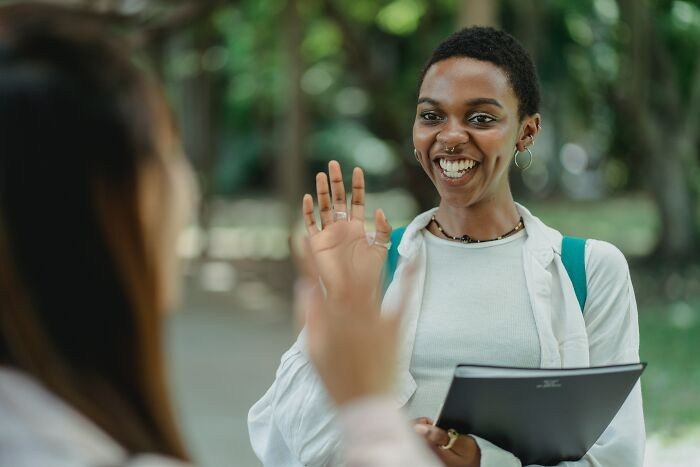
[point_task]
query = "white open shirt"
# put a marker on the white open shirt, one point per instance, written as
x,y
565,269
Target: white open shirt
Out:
x,y
294,423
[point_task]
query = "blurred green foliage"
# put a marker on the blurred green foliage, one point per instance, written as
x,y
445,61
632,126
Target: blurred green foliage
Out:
x,y
669,339
362,60
602,221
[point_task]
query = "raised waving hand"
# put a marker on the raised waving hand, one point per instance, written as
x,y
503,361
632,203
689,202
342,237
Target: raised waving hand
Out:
x,y
346,261
352,345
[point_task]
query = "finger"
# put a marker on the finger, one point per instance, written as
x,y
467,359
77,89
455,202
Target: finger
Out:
x,y
337,187
382,227
324,200
464,446
358,194
434,435
448,457
463,452
422,421
307,208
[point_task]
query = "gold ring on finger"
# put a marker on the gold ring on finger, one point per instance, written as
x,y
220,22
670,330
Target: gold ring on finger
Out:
x,y
453,435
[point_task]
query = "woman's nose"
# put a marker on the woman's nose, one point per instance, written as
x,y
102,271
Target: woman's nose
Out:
x,y
452,136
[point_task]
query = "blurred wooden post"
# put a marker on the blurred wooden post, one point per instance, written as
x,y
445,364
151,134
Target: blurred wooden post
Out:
x,y
529,25
291,153
478,13
664,128
198,118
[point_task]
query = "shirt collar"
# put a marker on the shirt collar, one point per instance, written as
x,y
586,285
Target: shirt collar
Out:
x,y
542,241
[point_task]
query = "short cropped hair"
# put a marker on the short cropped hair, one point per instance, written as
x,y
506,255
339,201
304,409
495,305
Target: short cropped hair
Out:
x,y
503,50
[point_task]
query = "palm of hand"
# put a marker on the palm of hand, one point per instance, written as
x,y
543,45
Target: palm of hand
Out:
x,y
345,259
346,262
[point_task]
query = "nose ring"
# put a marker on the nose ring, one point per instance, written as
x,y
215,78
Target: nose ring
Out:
x,y
450,150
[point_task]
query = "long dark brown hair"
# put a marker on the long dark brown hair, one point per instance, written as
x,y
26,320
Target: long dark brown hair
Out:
x,y
83,133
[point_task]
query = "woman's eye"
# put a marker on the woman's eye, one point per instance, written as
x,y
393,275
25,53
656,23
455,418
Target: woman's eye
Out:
x,y
482,119
430,116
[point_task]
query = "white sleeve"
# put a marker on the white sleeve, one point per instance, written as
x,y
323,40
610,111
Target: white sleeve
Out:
x,y
375,434
613,338
294,423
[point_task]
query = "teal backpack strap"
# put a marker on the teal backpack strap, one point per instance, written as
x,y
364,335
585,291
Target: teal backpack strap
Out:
x,y
392,258
573,255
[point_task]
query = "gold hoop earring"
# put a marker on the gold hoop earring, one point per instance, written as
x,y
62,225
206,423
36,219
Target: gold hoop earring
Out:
x,y
529,162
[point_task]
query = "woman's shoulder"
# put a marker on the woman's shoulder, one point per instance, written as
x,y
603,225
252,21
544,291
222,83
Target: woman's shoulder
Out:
x,y
601,257
38,428
605,260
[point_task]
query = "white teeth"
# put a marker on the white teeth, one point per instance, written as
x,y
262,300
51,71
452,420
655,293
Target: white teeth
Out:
x,y
456,169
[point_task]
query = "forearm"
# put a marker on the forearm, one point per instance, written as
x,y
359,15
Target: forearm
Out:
x,y
376,434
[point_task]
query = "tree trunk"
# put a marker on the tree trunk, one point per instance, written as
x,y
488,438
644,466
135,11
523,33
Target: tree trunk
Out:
x,y
671,190
657,115
197,95
291,156
478,13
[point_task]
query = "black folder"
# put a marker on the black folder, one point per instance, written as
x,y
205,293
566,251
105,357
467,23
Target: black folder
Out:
x,y
541,416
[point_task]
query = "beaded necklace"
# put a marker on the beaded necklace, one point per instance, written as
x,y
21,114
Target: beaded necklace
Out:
x,y
467,239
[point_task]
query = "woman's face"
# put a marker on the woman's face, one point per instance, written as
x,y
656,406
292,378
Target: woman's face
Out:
x,y
468,105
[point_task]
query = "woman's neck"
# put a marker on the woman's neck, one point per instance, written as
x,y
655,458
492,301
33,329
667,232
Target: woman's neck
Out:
x,y
482,221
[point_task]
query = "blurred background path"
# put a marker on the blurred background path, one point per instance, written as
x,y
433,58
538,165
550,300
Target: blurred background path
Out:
x,y
223,359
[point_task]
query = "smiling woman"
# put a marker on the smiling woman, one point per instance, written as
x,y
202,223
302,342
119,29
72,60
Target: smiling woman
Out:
x,y
490,286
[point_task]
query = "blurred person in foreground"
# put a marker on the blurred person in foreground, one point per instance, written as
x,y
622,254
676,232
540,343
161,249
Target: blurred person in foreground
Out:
x,y
94,190
490,286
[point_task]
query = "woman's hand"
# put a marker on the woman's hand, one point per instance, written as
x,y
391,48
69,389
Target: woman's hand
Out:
x,y
463,453
342,254
352,346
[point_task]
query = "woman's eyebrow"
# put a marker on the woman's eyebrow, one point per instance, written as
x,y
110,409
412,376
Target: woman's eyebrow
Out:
x,y
483,100
470,102
427,100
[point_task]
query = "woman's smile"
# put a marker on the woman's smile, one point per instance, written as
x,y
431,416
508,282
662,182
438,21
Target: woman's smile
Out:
x,y
455,171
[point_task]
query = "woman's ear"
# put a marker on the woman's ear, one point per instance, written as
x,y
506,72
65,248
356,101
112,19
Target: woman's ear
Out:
x,y
530,129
